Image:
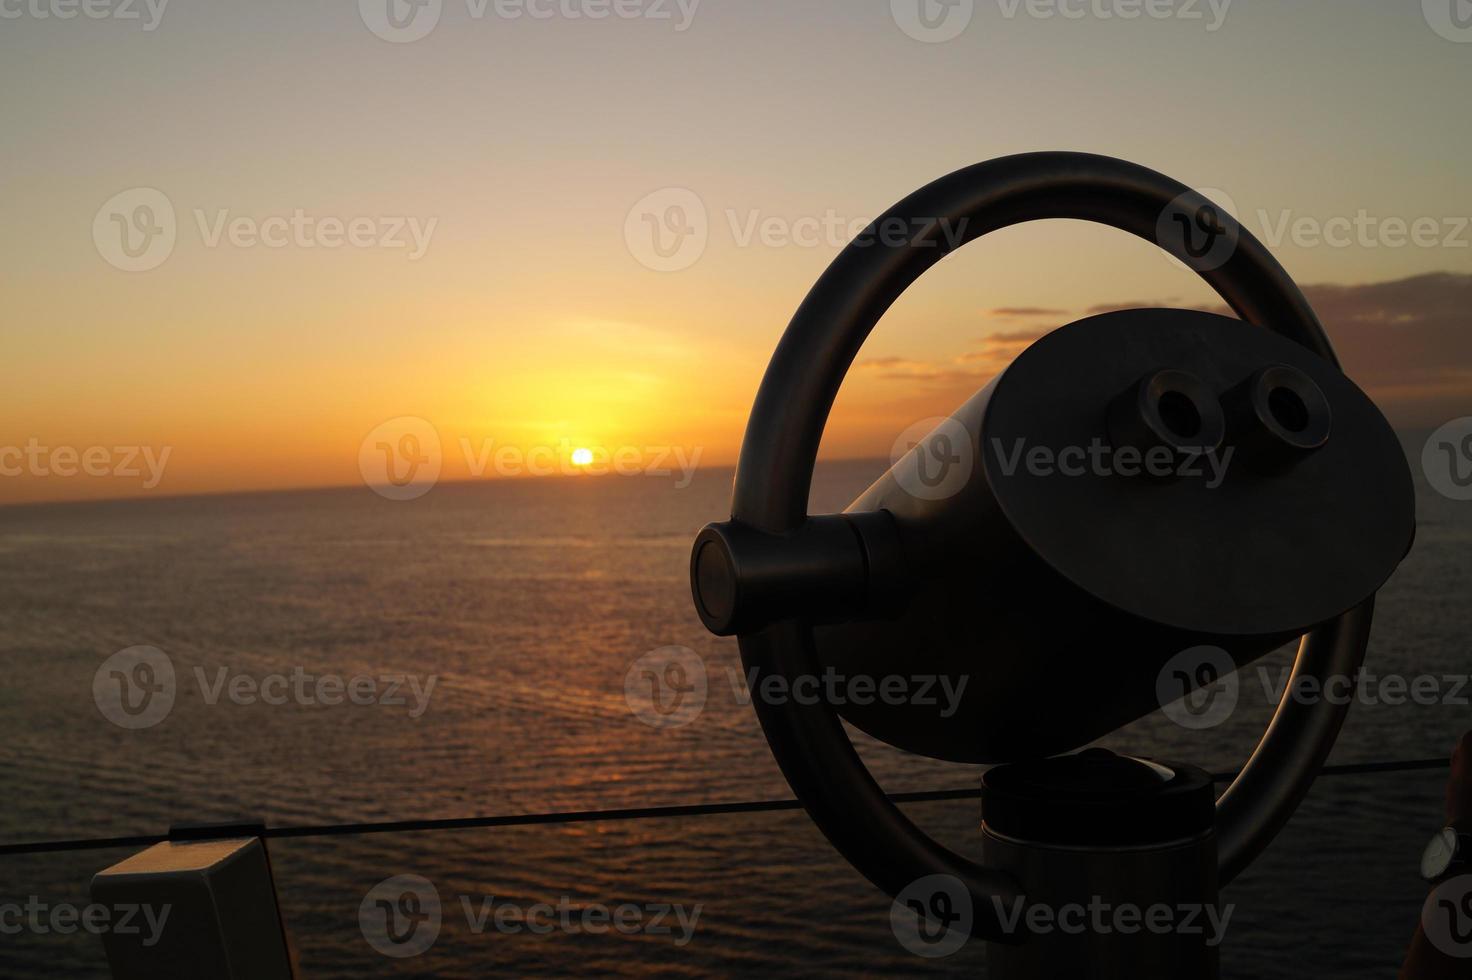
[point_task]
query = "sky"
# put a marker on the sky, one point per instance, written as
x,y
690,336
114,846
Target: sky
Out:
x,y
242,239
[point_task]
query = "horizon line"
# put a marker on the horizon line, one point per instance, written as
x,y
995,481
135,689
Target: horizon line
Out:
x,y
332,487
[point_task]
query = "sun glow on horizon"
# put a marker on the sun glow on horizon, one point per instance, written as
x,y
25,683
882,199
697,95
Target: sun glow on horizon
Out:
x,y
582,456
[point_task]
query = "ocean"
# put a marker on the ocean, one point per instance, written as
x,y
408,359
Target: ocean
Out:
x,y
490,629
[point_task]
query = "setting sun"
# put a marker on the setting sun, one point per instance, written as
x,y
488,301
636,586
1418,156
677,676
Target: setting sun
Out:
x,y
582,457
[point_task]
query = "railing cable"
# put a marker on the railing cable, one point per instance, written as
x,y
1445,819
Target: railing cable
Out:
x,y
593,816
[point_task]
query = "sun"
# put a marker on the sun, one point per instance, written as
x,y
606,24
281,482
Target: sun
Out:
x,y
582,456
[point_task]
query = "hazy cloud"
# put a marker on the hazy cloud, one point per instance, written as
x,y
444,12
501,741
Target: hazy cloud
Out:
x,y
1407,342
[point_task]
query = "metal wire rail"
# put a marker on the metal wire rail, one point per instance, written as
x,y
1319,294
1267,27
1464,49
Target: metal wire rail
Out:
x,y
577,816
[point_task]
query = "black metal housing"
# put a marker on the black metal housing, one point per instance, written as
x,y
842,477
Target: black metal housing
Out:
x,y
774,475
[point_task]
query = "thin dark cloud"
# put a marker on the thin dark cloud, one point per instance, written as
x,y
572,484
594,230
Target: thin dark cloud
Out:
x,y
1026,311
1135,305
1013,337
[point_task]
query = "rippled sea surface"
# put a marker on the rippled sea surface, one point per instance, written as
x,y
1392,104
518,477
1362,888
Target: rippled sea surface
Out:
x,y
528,602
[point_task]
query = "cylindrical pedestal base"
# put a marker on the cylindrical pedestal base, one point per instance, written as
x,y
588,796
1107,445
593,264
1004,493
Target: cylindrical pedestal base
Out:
x,y
1109,913
1117,860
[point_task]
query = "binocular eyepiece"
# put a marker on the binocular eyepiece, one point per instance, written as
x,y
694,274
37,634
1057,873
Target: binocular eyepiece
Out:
x,y
1272,418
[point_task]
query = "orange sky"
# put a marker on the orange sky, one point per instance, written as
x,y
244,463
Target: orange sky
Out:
x,y
528,314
